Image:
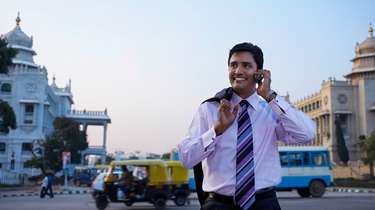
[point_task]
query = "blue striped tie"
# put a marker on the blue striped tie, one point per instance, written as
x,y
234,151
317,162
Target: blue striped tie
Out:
x,y
245,183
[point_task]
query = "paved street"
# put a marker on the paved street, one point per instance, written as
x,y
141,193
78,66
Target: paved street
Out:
x,y
80,198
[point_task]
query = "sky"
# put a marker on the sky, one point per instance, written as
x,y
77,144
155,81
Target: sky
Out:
x,y
151,63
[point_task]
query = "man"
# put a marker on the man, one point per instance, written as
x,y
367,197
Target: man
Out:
x,y
125,181
49,185
234,179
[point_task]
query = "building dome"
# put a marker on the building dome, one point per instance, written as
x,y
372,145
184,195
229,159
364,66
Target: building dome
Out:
x,y
368,46
18,37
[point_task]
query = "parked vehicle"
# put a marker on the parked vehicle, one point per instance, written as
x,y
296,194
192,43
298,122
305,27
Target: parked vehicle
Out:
x,y
151,183
84,175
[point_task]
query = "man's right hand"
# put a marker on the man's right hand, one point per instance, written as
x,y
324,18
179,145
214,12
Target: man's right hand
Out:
x,y
226,116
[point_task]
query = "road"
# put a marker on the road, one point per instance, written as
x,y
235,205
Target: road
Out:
x,y
288,201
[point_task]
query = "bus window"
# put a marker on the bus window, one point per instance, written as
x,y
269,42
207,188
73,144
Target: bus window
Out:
x,y
306,158
295,158
283,158
318,158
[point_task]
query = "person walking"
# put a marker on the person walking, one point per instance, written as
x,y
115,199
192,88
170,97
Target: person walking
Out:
x,y
44,184
232,141
49,190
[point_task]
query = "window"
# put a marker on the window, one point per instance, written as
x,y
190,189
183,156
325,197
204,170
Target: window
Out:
x,y
6,88
295,159
2,148
29,113
26,147
283,158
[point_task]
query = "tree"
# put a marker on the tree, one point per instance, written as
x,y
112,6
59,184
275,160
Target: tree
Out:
x,y
6,55
368,147
47,154
6,111
341,146
8,117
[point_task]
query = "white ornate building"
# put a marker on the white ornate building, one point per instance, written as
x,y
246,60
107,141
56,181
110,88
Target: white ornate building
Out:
x,y
352,101
36,105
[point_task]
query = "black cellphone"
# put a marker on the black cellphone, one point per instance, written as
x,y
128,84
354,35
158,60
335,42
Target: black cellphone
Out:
x,y
258,80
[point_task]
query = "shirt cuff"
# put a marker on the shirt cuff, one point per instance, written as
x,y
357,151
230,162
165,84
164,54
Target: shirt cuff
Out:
x,y
209,137
278,104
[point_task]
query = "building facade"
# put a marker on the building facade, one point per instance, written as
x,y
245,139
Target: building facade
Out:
x,y
36,104
351,101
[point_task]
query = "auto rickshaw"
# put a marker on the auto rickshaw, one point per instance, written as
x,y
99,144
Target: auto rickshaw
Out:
x,y
179,182
154,188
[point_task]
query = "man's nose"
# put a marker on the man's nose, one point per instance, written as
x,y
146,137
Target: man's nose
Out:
x,y
239,69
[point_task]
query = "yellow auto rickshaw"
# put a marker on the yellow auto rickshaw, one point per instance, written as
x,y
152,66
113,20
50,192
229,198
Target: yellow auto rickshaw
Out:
x,y
150,184
178,182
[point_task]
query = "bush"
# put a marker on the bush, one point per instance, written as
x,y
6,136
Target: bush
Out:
x,y
351,182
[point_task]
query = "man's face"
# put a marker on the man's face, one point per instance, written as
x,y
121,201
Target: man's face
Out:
x,y
242,67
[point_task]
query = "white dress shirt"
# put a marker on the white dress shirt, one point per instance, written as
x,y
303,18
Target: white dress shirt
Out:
x,y
273,121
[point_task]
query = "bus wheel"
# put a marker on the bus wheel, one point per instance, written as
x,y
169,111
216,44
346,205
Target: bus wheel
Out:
x,y
303,192
78,183
159,203
317,188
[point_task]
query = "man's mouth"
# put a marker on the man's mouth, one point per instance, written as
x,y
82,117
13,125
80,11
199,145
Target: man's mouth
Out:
x,y
239,79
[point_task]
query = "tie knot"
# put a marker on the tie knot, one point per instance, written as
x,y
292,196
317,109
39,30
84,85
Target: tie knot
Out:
x,y
244,104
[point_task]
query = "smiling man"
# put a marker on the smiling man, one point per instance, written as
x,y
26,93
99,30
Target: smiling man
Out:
x,y
233,137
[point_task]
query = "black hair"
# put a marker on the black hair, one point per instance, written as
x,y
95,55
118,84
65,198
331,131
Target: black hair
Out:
x,y
248,47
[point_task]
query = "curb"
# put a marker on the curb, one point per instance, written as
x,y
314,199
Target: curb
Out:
x,y
348,190
54,193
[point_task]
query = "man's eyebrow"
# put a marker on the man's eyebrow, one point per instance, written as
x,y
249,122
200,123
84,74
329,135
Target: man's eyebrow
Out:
x,y
249,63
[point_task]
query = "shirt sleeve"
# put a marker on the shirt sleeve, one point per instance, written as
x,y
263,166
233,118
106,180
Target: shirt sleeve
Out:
x,y
294,126
200,140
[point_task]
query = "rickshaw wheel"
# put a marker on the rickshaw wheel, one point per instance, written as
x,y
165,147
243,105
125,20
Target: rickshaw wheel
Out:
x,y
128,203
180,200
159,203
101,205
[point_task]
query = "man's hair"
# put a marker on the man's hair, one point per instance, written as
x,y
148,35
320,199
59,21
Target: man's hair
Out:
x,y
248,47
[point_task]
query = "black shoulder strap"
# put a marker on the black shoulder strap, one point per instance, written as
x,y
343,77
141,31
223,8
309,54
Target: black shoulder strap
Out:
x,y
198,171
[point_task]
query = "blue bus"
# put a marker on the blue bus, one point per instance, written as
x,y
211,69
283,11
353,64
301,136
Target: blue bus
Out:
x,y
306,169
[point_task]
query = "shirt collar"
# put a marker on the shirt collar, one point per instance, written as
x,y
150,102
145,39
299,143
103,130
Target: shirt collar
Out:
x,y
253,99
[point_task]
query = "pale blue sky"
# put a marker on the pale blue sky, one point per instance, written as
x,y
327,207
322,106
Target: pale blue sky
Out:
x,y
151,63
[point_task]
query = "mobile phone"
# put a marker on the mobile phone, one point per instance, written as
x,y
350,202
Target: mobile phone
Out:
x,y
258,80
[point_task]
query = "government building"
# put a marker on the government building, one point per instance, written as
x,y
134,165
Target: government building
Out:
x,y
36,104
351,101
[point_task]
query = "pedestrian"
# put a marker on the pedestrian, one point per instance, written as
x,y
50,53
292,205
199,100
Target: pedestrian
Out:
x,y
232,140
44,184
49,185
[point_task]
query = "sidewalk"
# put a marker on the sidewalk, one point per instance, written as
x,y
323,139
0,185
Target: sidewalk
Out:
x,y
35,191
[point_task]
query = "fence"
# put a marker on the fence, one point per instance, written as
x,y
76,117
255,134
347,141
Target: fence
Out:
x,y
13,180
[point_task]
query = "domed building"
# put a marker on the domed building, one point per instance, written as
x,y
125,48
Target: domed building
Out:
x,y
351,101
36,104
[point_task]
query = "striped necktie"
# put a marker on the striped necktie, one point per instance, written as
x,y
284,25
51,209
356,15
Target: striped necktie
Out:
x,y
245,183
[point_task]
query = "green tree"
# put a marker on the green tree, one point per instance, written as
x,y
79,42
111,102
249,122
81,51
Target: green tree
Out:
x,y
6,55
368,148
341,146
66,137
7,116
6,111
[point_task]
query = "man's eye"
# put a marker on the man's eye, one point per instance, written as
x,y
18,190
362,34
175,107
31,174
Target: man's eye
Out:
x,y
247,66
233,65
